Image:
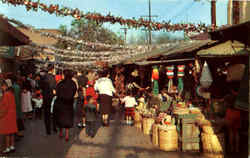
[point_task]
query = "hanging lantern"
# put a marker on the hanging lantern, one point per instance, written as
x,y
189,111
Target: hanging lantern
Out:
x,y
170,72
180,72
155,73
155,78
180,75
206,77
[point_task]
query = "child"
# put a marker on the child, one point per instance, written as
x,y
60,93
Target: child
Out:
x,y
130,103
38,101
26,103
90,116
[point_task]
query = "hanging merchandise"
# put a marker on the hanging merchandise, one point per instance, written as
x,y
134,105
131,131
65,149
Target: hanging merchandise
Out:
x,y
180,75
197,66
155,78
206,76
170,74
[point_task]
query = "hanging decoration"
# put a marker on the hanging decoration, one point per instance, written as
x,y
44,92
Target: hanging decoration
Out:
x,y
170,74
155,78
206,76
99,18
180,75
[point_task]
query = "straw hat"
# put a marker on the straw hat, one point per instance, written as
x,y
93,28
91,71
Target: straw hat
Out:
x,y
135,73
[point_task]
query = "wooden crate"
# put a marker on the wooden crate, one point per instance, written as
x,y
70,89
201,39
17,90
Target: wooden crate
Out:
x,y
190,131
194,147
185,121
189,144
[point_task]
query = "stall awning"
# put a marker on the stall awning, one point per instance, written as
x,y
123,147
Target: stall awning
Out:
x,y
239,32
175,49
226,49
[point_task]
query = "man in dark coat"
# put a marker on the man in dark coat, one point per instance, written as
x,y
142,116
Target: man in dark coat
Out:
x,y
48,85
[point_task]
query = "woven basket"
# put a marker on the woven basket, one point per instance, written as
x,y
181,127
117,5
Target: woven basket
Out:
x,y
208,129
213,143
138,125
147,125
213,155
137,116
155,136
168,140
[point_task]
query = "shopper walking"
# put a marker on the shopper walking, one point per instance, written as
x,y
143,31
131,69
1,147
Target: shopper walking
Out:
x,y
105,88
63,106
48,85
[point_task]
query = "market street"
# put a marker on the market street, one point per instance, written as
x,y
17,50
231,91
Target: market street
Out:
x,y
118,140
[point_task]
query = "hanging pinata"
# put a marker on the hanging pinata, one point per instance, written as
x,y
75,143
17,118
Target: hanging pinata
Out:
x,y
180,75
206,76
170,74
155,78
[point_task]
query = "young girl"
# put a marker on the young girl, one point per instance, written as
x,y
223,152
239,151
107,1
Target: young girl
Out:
x,y
26,103
130,104
38,101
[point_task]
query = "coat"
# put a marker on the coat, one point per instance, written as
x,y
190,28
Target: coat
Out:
x,y
8,123
63,106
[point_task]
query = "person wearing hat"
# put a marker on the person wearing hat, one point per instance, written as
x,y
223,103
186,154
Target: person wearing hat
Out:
x,y
8,124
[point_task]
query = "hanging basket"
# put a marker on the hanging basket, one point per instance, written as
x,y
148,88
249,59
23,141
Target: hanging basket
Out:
x,y
206,76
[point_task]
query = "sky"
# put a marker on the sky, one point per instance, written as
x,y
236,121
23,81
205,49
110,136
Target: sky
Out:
x,y
176,11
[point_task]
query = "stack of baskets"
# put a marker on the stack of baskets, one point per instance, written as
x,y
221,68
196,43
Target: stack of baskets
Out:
x,y
138,120
168,138
147,124
155,134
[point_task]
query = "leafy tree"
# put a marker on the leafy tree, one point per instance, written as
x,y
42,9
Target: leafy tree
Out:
x,y
88,31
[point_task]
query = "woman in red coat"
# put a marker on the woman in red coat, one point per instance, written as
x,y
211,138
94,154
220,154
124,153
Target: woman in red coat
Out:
x,y
8,125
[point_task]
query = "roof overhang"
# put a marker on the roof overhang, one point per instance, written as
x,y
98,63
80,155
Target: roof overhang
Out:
x,y
10,36
239,32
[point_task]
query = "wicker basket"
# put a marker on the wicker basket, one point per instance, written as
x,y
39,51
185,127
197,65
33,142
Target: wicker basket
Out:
x,y
168,140
213,143
137,116
213,155
138,125
147,125
207,129
155,136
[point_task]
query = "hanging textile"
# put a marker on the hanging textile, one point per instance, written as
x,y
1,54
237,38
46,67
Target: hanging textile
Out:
x,y
155,78
206,77
170,74
180,75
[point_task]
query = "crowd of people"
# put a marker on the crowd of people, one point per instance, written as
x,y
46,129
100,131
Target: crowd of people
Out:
x,y
73,99
65,100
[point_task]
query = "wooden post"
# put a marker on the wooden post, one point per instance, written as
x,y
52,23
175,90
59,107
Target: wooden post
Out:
x,y
236,12
213,13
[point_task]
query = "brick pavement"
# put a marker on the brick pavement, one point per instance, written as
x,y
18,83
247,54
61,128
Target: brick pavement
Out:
x,y
116,141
